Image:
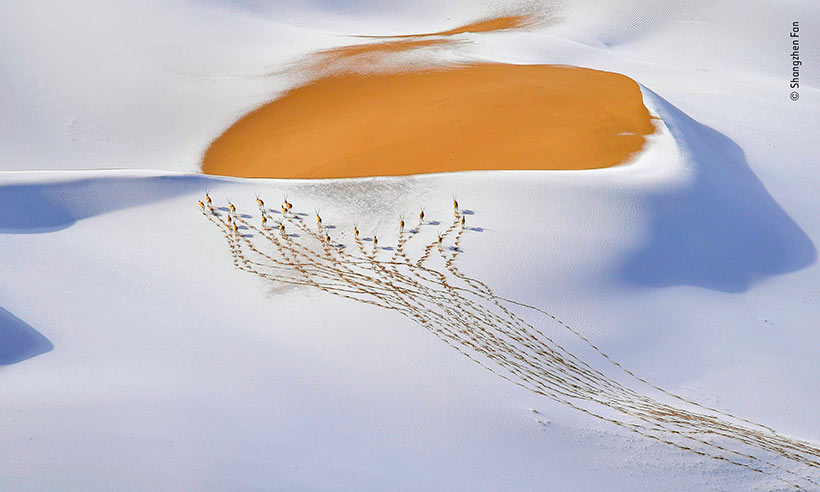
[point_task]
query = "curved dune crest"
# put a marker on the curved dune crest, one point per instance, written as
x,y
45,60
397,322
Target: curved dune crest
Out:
x,y
469,117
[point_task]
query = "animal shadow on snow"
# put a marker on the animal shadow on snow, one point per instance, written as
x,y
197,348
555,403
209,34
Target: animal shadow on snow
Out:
x,y
19,341
723,230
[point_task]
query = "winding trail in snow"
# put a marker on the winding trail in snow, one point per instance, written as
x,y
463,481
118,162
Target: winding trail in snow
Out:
x,y
466,314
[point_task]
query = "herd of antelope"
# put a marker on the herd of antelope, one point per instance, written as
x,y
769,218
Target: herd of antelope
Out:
x,y
513,340
286,210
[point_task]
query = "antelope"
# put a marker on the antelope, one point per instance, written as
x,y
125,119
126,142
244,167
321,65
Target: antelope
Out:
x,y
401,224
356,232
439,239
201,205
284,210
318,218
208,199
455,203
235,228
375,241
288,205
229,219
264,220
421,216
232,207
211,209
327,238
260,203
462,221
282,228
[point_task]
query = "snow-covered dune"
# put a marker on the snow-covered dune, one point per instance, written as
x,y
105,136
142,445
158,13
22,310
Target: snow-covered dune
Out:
x,y
134,355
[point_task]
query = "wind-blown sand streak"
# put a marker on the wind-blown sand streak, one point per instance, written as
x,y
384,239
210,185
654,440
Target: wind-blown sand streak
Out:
x,y
370,57
486,25
466,314
405,42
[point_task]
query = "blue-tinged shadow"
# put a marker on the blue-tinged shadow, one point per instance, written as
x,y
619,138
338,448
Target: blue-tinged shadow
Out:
x,y
722,231
19,341
52,206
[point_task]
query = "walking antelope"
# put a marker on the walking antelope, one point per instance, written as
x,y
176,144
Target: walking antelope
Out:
x,y
231,207
284,210
208,199
235,228
318,218
211,209
229,219
260,203
462,221
201,205
455,203
355,231
264,220
439,240
401,224
282,228
421,216
375,240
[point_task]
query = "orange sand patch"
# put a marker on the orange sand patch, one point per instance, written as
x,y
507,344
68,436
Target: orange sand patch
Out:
x,y
497,24
352,54
473,117
357,56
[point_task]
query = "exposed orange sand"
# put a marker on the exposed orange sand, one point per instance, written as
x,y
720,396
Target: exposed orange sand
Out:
x,y
473,117
352,54
355,54
349,53
496,24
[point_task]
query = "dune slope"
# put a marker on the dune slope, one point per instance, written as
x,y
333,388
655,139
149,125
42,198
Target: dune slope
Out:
x,y
476,117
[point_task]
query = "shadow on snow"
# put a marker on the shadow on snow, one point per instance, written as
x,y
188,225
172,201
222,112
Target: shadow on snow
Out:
x,y
722,231
19,341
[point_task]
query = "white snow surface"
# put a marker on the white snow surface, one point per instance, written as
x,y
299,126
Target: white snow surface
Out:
x,y
134,356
